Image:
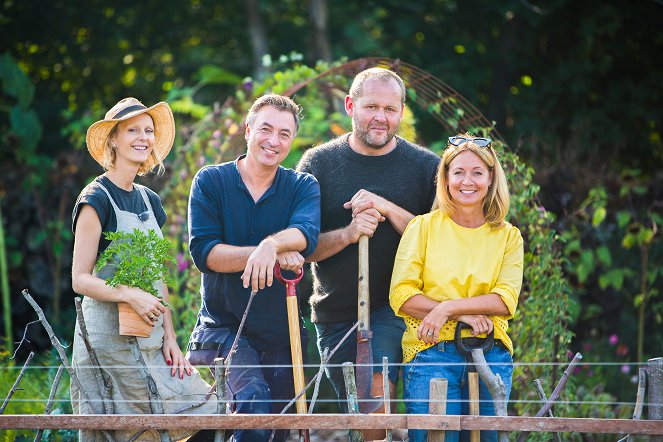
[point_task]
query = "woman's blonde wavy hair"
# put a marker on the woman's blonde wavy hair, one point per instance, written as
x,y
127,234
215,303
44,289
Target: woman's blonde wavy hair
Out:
x,y
497,200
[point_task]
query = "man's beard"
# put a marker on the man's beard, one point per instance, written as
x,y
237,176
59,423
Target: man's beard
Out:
x,y
371,141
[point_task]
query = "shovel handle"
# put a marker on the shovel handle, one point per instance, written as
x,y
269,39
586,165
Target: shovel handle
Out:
x,y
363,299
295,337
290,284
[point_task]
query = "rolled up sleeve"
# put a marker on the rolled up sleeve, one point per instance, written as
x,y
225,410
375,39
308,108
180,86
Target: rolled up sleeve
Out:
x,y
205,229
510,279
306,212
407,279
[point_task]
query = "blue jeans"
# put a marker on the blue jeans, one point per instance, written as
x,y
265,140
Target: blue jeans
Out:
x,y
444,361
260,382
387,331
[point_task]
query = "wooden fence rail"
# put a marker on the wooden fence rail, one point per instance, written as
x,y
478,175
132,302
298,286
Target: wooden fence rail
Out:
x,y
331,421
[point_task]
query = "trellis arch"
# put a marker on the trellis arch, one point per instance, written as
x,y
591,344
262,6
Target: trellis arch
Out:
x,y
447,106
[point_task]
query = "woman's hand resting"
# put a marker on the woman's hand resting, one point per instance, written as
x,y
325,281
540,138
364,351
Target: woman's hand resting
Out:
x,y
481,324
175,358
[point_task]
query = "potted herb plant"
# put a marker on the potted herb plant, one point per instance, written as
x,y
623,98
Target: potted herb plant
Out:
x,y
139,260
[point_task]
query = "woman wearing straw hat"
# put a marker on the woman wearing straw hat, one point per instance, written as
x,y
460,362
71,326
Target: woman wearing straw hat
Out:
x,y
131,140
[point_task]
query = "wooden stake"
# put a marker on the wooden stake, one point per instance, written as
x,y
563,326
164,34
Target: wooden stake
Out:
x,y
473,386
351,394
655,396
220,378
437,405
639,398
386,393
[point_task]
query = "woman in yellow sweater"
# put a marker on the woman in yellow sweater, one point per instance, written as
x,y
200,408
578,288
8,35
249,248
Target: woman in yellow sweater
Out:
x,y
461,262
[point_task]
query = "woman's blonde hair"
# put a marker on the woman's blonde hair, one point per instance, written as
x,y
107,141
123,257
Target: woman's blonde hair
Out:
x,y
109,157
496,201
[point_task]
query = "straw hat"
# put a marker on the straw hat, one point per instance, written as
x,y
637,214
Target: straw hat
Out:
x,y
164,128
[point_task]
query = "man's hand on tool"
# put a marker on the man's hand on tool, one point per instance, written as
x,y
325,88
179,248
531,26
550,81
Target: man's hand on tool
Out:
x,y
481,324
364,223
292,261
259,270
364,200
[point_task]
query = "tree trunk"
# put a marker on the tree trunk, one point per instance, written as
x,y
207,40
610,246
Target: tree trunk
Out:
x,y
258,38
319,15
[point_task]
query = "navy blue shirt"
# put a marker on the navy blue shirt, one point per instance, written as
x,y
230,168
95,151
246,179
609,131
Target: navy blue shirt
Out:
x,y
222,211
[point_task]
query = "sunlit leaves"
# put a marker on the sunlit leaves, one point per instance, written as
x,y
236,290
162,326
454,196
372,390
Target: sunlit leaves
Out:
x,y
598,216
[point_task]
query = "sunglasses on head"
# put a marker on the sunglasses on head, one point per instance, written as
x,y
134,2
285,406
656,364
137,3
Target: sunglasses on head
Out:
x,y
479,141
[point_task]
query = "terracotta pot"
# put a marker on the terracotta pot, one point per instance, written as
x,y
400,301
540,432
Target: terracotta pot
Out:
x,y
131,324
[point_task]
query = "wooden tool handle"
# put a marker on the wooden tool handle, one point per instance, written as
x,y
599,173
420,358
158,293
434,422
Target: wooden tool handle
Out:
x,y
296,352
363,298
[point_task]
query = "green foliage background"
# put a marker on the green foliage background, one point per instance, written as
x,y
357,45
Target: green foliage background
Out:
x,y
573,87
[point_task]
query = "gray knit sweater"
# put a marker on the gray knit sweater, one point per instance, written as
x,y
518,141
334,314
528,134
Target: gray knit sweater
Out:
x,y
405,176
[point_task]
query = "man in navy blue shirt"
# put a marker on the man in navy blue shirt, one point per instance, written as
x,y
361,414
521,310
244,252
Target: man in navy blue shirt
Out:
x,y
244,216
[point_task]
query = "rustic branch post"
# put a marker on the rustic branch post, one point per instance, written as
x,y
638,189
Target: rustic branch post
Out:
x,y
220,378
655,396
544,399
16,382
324,359
51,397
63,358
351,393
437,405
556,392
155,399
495,385
103,380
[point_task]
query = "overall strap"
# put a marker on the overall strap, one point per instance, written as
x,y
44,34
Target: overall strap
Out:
x,y
117,209
143,193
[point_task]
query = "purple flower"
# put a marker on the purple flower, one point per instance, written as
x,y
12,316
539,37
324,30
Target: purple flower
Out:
x,y
626,369
182,263
216,134
613,339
